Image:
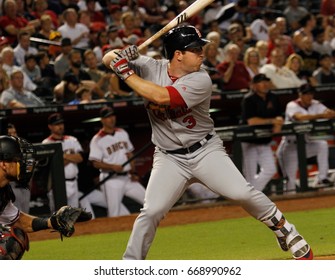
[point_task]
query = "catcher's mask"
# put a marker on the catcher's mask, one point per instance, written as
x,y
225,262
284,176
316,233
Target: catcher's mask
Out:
x,y
19,150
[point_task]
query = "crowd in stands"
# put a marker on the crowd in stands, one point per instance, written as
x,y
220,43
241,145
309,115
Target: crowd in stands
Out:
x,y
291,41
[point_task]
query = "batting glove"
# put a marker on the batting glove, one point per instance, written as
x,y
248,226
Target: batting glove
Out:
x,y
121,68
130,52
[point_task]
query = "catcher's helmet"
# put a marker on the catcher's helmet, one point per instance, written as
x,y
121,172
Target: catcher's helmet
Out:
x,y
9,149
181,38
19,150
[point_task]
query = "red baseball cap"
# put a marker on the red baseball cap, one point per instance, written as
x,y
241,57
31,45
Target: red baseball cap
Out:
x,y
3,41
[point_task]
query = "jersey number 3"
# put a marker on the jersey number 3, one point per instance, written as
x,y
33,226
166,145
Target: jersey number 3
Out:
x,y
190,121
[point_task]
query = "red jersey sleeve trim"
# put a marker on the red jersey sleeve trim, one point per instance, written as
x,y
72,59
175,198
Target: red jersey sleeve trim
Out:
x,y
176,99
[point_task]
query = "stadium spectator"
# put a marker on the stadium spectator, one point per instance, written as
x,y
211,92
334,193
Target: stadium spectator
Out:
x,y
31,68
16,96
8,64
210,62
118,89
322,36
215,37
281,23
45,31
277,40
3,43
82,5
128,26
94,11
252,61
40,8
113,37
231,11
23,47
71,28
101,40
234,73
65,91
281,76
113,14
310,57
101,78
325,73
236,36
11,23
49,79
76,65
262,48
294,13
94,27
295,63
4,83
327,8
307,24
84,96
62,63
151,12
211,12
259,27
47,69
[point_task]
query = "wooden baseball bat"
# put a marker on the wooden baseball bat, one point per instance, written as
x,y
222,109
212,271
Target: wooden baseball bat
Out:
x,y
191,10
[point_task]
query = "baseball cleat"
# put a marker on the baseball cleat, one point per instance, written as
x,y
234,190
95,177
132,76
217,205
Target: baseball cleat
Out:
x,y
307,256
298,246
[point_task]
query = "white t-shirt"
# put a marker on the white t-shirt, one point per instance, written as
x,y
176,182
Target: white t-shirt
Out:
x,y
74,33
281,77
259,30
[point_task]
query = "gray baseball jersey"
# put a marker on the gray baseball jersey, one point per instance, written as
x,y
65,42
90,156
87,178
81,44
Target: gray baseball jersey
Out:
x,y
186,120
187,148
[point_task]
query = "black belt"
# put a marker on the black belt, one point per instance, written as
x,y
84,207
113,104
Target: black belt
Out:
x,y
191,149
291,141
122,174
71,179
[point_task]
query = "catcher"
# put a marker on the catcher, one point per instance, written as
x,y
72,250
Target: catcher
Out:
x,y
17,164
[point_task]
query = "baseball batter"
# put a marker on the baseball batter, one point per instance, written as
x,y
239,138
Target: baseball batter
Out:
x,y
72,156
109,149
177,95
304,108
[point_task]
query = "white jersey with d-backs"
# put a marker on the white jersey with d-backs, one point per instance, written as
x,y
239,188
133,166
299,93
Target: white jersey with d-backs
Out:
x,y
111,148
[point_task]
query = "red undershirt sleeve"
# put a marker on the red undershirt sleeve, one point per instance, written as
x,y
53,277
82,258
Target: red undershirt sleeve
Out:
x,y
176,100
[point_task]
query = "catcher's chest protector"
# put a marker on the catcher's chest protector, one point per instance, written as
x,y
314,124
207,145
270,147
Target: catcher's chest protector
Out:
x,y
13,243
